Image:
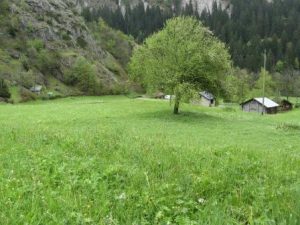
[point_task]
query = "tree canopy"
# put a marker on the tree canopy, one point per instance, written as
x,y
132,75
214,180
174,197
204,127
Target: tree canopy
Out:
x,y
182,57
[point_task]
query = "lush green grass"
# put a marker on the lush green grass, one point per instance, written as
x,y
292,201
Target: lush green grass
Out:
x,y
114,160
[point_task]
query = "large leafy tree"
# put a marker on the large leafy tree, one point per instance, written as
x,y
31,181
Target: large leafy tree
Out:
x,y
184,56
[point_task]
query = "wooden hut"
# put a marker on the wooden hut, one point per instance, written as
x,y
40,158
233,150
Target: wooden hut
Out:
x,y
207,99
159,95
285,105
260,105
36,89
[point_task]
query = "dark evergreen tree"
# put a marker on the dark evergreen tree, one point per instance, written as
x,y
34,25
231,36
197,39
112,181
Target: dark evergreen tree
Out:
x,y
248,27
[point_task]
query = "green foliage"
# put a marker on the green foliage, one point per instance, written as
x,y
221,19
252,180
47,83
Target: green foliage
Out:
x,y
27,79
81,42
237,86
270,85
4,90
37,44
27,95
115,42
4,7
114,160
48,62
83,75
183,56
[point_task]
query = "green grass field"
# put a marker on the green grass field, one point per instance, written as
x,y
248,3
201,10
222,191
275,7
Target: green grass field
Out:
x,y
115,160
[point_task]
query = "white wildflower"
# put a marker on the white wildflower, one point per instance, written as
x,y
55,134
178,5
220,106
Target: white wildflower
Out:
x,y
201,200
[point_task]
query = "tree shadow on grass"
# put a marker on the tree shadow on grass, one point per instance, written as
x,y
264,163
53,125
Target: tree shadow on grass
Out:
x,y
183,117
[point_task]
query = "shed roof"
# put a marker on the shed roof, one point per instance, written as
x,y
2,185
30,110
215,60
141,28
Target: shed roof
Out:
x,y
268,103
207,95
286,102
36,88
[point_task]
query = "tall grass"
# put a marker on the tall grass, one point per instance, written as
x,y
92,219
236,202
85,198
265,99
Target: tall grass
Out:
x,y
114,160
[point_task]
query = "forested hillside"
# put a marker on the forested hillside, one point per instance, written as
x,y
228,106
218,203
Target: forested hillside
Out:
x,y
248,27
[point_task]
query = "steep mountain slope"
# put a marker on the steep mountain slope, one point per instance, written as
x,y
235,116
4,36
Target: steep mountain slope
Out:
x,y
42,40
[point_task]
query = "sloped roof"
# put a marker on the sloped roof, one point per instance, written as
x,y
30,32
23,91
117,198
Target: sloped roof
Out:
x,y
267,102
36,88
207,95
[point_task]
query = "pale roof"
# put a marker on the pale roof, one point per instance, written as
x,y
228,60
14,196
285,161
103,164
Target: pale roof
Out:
x,y
267,102
36,88
207,95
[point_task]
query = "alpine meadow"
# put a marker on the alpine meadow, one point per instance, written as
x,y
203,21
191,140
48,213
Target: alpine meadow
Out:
x,y
149,112
115,160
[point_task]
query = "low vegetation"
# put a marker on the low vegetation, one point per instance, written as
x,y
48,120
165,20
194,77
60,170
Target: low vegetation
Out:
x,y
118,160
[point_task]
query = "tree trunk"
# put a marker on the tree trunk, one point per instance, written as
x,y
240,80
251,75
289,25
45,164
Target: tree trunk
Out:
x,y
176,105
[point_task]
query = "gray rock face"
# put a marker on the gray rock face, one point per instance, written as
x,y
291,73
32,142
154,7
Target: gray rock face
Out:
x,y
59,24
206,4
200,4
51,19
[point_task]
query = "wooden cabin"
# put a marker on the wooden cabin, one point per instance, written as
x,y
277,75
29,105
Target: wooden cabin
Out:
x,y
207,99
260,105
285,105
36,89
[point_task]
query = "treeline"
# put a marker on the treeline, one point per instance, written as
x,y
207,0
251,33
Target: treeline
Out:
x,y
251,26
139,22
248,27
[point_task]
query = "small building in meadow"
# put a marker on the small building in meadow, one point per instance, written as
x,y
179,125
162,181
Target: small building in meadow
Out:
x,y
286,105
36,89
159,95
207,99
260,105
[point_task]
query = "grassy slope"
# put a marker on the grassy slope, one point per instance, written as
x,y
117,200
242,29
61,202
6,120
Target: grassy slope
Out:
x,y
114,160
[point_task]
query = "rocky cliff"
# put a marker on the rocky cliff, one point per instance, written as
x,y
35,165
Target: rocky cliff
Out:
x,y
200,4
42,40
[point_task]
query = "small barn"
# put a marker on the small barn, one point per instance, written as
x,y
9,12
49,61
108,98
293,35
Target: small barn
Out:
x,y
260,105
36,89
285,105
207,99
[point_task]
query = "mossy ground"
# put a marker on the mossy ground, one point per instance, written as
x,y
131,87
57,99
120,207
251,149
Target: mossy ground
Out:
x,y
115,160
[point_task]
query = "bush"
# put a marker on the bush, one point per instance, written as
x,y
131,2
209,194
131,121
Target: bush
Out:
x,y
81,42
27,95
4,91
83,75
297,105
37,44
47,62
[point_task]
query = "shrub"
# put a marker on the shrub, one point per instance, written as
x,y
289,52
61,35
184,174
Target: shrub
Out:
x,y
27,95
4,91
37,44
47,62
83,75
27,79
81,42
